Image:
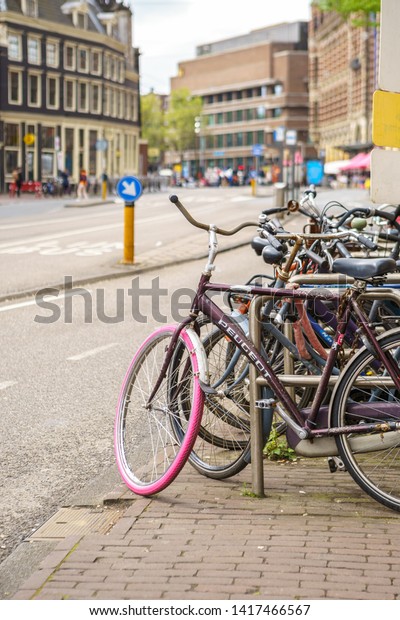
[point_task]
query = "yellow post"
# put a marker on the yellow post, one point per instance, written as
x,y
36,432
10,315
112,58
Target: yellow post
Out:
x,y
129,233
104,190
253,184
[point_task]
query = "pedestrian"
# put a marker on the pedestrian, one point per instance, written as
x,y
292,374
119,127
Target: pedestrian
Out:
x,y
17,179
82,185
64,174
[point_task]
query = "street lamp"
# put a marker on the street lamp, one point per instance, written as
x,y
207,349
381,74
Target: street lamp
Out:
x,y
197,131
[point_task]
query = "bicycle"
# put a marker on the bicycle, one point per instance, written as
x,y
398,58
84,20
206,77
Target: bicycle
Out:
x,y
364,413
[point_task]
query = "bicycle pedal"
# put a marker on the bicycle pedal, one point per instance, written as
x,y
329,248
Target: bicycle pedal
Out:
x,y
335,464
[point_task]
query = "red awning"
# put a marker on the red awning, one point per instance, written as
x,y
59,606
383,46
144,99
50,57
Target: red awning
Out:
x,y
359,162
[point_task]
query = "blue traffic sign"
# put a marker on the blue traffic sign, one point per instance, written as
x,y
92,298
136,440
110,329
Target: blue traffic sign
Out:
x,y
101,145
129,188
315,172
257,149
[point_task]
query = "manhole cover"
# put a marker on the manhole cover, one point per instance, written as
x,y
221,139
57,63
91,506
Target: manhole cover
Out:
x,y
73,521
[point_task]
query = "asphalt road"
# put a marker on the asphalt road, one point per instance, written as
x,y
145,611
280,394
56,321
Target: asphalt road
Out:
x,y
59,380
42,242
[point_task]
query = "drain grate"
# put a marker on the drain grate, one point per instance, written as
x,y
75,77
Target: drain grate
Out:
x,y
73,521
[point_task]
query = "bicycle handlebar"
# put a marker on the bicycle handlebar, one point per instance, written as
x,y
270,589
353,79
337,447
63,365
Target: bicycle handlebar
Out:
x,y
227,233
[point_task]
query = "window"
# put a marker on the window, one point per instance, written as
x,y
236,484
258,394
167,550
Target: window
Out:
x,y
34,51
52,54
260,137
83,60
15,87
261,111
96,63
69,150
30,8
70,95
220,118
249,138
278,89
239,115
14,47
11,134
70,57
220,141
34,87
52,90
81,20
229,117
277,112
83,102
239,139
48,136
249,115
95,103
92,152
229,139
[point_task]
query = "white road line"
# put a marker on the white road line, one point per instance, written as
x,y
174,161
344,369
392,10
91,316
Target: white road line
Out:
x,y
33,302
240,198
7,384
81,231
81,356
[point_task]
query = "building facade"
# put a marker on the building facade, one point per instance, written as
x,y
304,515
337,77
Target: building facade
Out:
x,y
254,89
343,74
69,89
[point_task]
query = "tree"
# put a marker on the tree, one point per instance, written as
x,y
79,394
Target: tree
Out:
x,y
347,7
180,120
153,125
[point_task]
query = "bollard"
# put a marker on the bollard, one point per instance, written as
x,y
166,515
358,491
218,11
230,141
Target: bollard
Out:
x,y
253,184
129,189
129,233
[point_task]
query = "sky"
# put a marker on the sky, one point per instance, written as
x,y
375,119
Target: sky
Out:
x,y
168,31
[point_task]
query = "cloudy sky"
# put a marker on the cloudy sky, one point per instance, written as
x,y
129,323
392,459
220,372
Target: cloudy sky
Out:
x,y
168,31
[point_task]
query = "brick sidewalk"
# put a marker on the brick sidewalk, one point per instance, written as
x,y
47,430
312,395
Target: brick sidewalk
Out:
x,y
315,536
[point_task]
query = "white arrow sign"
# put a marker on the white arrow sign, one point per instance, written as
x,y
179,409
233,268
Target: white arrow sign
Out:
x,y
130,188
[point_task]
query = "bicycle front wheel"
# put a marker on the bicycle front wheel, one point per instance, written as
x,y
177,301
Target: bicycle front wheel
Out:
x,y
366,394
148,453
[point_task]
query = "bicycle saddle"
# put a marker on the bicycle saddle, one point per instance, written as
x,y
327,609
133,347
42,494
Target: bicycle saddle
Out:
x,y
364,268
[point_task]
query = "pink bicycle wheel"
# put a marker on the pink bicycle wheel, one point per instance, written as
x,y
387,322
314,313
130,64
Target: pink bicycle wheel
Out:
x,y
148,452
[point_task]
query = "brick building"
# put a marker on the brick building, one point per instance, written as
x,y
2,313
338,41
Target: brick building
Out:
x,y
69,89
343,68
252,86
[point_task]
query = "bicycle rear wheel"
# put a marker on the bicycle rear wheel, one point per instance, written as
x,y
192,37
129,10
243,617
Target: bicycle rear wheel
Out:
x,y
366,394
149,456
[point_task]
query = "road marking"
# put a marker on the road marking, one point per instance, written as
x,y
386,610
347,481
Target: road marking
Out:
x,y
34,302
81,356
7,384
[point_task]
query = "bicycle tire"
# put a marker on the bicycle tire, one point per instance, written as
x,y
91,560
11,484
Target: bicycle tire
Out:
x,y
376,471
222,447
148,455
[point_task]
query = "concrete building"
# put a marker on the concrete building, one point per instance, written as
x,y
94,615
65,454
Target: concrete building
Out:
x,y
254,89
343,70
69,89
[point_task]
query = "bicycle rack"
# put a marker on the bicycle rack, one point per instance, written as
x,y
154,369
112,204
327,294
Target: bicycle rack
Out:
x,y
290,379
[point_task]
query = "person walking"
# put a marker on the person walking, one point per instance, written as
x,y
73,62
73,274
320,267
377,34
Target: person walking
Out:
x,y
17,180
82,185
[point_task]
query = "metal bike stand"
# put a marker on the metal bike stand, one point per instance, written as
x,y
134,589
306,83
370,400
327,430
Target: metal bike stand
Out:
x,y
256,434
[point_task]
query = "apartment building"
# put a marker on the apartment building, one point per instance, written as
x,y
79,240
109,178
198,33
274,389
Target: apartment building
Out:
x,y
343,61
254,89
69,89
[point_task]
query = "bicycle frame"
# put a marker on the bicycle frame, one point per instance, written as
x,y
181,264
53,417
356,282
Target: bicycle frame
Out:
x,y
305,428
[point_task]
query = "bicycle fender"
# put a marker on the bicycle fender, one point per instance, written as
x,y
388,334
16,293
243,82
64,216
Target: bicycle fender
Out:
x,y
198,349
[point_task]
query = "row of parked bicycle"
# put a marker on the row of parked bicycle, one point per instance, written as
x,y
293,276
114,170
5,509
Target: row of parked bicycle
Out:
x,y
311,351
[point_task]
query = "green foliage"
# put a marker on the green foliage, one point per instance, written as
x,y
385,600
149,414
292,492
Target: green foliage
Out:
x,y
277,449
152,120
346,7
180,119
364,8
